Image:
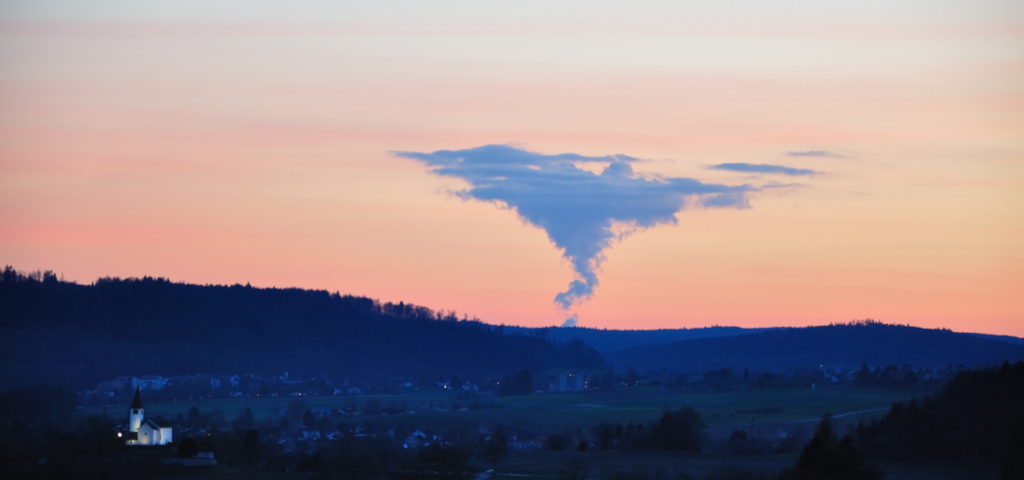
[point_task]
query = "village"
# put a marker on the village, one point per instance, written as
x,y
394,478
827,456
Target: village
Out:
x,y
297,415
209,386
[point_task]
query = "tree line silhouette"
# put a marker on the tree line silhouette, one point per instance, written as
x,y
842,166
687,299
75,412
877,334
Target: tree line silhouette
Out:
x,y
57,332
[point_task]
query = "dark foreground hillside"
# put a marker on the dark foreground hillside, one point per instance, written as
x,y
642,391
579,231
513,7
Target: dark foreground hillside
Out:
x,y
55,332
978,417
833,346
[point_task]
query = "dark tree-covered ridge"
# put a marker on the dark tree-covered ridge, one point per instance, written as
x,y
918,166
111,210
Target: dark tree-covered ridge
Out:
x,y
57,332
841,345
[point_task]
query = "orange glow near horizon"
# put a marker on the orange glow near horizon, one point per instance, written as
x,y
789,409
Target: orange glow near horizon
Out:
x,y
217,149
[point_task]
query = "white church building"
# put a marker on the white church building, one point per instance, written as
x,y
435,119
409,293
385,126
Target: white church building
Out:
x,y
142,431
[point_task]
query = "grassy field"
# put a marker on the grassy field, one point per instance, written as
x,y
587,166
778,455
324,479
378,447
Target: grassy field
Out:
x,y
571,411
554,465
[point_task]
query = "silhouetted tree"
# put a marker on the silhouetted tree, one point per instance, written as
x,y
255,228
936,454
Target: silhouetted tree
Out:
x,y
495,447
296,410
605,433
678,430
825,458
194,419
308,419
518,384
244,421
251,449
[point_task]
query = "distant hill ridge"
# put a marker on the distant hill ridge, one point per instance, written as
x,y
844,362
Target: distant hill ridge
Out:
x,y
838,345
57,332
607,340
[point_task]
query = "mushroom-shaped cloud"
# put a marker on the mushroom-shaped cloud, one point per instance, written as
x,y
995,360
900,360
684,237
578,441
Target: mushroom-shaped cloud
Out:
x,y
581,211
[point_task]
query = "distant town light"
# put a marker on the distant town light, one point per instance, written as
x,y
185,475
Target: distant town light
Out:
x,y
119,435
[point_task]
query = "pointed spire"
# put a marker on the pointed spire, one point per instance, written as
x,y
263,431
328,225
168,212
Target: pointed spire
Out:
x,y
137,402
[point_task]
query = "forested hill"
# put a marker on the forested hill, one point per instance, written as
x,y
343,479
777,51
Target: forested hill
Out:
x,y
56,332
611,340
832,345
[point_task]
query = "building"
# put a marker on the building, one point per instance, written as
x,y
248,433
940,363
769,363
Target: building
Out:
x,y
142,431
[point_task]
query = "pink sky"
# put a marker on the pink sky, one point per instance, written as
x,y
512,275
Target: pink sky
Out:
x,y
235,143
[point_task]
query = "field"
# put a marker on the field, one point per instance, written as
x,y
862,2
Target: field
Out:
x,y
571,411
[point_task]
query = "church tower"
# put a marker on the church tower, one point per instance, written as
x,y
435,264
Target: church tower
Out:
x,y
135,412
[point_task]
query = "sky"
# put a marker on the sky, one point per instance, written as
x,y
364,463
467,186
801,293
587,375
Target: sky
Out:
x,y
614,164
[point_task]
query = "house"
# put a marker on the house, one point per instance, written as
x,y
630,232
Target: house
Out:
x,y
142,431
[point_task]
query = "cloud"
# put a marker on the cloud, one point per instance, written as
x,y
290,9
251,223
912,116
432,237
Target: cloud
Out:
x,y
571,321
816,153
763,168
581,211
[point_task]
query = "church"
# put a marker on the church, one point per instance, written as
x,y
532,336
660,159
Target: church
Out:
x,y
142,431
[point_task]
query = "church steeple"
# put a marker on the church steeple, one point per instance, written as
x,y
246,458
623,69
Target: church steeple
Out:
x,y
135,412
137,402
